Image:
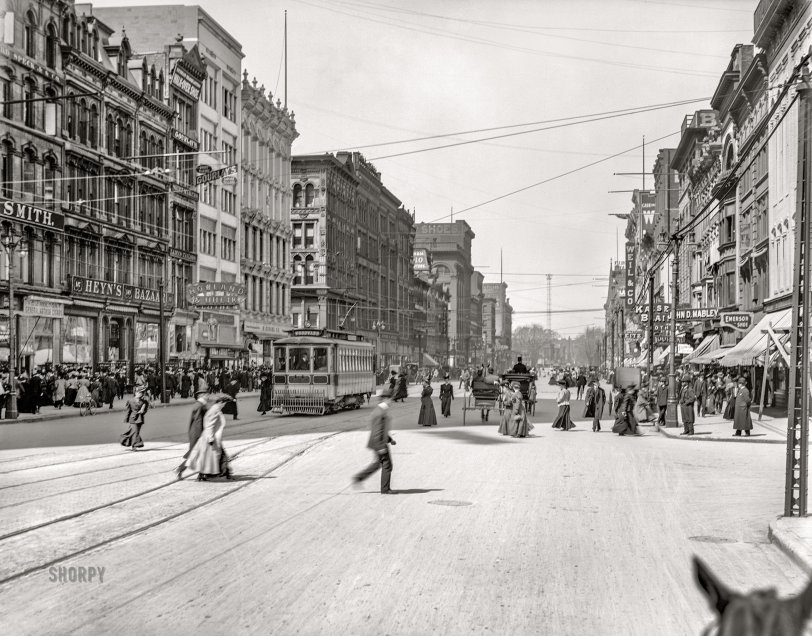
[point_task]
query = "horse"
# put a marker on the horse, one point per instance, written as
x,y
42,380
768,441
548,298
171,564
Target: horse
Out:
x,y
759,613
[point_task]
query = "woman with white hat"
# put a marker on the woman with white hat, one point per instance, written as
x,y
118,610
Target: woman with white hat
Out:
x,y
208,457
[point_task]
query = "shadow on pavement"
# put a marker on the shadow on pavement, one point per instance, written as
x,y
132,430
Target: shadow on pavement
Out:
x,y
407,491
468,438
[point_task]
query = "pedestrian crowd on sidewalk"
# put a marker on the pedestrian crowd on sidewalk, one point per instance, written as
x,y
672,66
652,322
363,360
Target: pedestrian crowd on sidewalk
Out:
x,y
61,386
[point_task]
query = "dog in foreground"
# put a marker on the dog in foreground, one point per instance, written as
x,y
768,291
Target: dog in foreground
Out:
x,y
759,613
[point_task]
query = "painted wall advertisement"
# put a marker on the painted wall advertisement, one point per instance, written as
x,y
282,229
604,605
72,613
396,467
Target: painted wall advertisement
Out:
x,y
631,269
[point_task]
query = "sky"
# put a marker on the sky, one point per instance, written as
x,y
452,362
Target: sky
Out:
x,y
364,74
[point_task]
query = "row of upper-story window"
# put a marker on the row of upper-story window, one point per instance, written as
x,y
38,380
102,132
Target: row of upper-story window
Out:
x,y
262,247
208,243
223,98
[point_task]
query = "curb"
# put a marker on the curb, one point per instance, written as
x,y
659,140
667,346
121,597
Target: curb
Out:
x,y
49,417
734,440
788,546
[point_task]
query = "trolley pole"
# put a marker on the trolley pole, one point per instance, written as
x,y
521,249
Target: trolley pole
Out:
x,y
650,356
162,342
671,419
11,242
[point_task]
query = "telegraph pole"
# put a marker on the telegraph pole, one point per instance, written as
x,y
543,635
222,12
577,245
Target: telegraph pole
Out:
x,y
671,418
11,242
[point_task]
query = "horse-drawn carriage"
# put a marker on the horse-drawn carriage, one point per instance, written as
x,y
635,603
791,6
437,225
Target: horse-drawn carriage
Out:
x,y
486,393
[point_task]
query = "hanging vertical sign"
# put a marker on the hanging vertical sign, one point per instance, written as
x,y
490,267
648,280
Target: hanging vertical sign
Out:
x,y
631,269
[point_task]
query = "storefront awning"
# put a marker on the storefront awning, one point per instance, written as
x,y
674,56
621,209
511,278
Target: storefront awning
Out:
x,y
663,355
427,359
709,344
711,357
753,345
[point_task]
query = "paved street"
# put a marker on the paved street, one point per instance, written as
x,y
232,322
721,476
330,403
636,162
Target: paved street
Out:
x,y
565,533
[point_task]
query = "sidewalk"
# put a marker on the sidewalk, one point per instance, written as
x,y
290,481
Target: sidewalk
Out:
x,y
50,413
793,536
714,428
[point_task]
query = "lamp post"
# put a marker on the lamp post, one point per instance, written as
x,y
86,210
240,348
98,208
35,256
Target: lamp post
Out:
x,y
11,242
671,418
162,342
378,326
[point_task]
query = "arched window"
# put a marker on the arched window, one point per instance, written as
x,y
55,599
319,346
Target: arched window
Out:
x,y
93,123
51,41
309,270
119,135
72,31
29,172
160,94
152,82
111,133
159,151
83,37
66,29
8,95
49,180
144,76
29,105
142,148
729,160
309,194
127,142
95,50
84,113
297,195
30,34
7,169
297,270
153,150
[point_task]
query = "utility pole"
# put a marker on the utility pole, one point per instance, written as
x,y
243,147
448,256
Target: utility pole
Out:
x,y
671,419
11,241
549,302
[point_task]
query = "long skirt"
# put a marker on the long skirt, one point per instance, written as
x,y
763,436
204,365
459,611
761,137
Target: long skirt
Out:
x,y
563,421
209,459
521,426
505,422
445,404
427,415
625,423
742,421
710,405
132,438
730,410
70,396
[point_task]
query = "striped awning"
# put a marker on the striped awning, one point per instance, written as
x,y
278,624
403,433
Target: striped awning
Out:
x,y
711,357
752,347
710,343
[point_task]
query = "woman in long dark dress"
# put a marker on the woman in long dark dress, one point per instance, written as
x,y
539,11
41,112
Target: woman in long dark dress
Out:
x,y
446,395
506,420
563,422
742,421
231,389
730,394
687,397
625,421
265,394
401,388
521,427
427,415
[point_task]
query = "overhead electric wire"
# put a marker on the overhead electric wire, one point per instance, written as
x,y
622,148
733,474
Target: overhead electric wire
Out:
x,y
444,34
553,178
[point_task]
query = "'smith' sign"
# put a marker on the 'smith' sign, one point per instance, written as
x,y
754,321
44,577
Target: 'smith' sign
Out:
x,y
31,215
738,320
631,270
116,291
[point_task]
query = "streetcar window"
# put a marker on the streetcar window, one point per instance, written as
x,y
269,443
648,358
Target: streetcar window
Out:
x,y
280,359
299,358
320,359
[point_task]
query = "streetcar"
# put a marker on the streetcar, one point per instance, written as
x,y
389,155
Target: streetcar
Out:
x,y
318,371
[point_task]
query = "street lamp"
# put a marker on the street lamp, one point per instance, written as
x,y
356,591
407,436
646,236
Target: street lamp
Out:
x,y
11,242
378,326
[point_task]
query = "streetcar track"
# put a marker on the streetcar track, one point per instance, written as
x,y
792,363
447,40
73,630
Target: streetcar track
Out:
x,y
105,505
86,459
239,453
157,522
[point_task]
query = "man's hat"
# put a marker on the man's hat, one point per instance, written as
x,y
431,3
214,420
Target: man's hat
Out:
x,y
741,381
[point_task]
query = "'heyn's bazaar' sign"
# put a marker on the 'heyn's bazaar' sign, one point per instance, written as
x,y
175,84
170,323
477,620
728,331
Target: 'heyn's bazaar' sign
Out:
x,y
31,215
116,291
738,320
215,294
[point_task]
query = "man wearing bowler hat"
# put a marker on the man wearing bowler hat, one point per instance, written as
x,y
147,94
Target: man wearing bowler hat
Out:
x,y
379,441
195,425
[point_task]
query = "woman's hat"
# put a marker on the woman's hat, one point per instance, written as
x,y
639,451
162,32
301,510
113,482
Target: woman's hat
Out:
x,y
445,377
562,382
515,384
741,381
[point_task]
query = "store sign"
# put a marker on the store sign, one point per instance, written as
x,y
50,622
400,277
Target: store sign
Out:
x,y
31,215
128,294
633,336
42,308
182,255
27,62
228,171
420,260
738,320
186,140
261,328
704,313
215,294
185,82
684,349
631,273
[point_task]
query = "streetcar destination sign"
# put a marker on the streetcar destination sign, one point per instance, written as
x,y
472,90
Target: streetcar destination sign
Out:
x,y
738,320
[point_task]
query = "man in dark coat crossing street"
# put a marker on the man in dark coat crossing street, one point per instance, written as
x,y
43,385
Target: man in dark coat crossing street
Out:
x,y
379,441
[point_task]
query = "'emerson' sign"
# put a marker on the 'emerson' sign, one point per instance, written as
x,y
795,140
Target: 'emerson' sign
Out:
x,y
31,215
738,320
